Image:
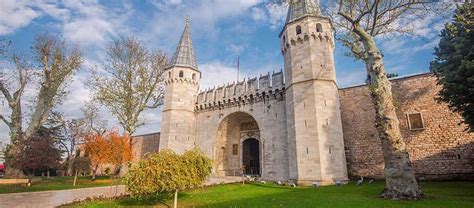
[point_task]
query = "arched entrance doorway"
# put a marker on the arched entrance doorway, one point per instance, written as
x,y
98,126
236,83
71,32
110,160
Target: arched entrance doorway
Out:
x,y
237,148
251,156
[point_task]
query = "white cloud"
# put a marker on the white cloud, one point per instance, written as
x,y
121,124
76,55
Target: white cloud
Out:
x,y
87,31
15,14
258,14
271,14
424,34
53,10
236,49
216,74
92,23
276,15
168,20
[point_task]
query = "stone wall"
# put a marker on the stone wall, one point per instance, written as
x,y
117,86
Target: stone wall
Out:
x,y
441,150
143,144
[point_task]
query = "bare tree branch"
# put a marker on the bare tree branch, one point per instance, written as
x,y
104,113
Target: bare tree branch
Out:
x,y
8,123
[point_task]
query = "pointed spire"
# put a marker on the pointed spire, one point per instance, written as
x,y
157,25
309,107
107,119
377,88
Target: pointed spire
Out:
x,y
302,8
184,54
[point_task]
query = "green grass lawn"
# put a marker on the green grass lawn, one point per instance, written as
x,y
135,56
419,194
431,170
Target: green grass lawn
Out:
x,y
59,183
439,194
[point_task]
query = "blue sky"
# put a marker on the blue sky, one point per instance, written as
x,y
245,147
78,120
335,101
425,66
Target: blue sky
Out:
x,y
221,31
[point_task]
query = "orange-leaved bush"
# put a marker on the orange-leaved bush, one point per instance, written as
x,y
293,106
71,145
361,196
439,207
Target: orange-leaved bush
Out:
x,y
111,148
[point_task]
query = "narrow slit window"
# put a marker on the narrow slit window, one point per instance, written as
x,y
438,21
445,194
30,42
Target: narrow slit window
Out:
x,y
181,74
298,30
194,76
319,28
235,149
415,121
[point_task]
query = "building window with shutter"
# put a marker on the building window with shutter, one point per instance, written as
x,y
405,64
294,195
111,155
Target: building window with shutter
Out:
x,y
415,121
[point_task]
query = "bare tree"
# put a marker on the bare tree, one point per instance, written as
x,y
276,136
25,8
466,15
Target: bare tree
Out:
x,y
357,24
132,82
45,74
73,131
91,121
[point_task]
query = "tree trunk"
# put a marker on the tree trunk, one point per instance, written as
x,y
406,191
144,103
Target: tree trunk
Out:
x,y
30,177
70,168
16,130
400,180
175,201
48,173
75,178
94,172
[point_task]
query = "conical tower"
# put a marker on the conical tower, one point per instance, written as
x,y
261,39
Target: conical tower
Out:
x,y
315,140
178,126
184,54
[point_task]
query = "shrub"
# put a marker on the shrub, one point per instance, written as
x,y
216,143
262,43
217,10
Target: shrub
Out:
x,y
166,171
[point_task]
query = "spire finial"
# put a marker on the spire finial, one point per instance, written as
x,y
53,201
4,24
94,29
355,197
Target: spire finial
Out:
x,y
184,54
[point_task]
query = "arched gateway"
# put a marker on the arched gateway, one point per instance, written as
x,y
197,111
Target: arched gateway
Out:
x,y
238,148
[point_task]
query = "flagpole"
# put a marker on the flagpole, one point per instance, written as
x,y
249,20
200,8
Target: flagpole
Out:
x,y
238,68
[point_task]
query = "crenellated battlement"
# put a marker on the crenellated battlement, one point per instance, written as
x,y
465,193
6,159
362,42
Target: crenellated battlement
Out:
x,y
247,91
181,80
302,38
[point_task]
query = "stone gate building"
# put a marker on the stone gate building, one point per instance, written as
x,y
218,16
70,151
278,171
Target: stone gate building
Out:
x,y
297,124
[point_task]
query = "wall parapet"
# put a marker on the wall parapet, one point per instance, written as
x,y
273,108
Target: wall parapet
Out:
x,y
247,91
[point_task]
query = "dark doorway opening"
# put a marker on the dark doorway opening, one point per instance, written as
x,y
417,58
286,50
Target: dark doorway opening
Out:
x,y
251,156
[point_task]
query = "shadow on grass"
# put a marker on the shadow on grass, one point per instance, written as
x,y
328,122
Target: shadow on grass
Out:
x,y
144,201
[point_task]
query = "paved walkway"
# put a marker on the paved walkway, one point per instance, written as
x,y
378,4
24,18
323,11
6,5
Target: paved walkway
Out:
x,y
56,198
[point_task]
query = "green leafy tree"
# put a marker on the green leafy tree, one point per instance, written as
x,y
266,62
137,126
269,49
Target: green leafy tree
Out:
x,y
168,172
454,65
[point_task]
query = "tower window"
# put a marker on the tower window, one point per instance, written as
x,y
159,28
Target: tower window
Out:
x,y
284,40
319,28
298,30
169,74
181,74
194,76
